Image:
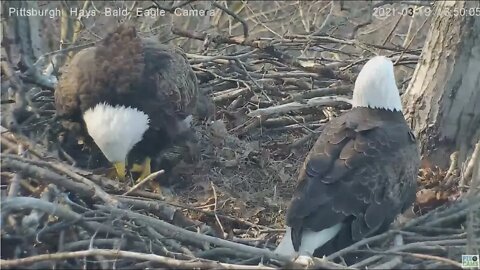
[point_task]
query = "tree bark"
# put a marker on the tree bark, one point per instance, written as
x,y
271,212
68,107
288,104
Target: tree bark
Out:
x,y
442,102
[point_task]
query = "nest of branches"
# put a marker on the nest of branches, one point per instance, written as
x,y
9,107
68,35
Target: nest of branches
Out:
x,y
228,211
56,214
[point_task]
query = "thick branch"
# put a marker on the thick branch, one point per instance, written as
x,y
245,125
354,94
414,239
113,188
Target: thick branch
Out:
x,y
295,106
116,254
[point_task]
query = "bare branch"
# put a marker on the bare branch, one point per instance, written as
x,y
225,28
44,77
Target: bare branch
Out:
x,y
293,106
116,254
31,167
235,16
148,178
21,203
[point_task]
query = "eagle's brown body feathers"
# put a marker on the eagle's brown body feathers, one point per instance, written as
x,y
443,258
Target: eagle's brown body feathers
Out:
x,y
124,69
349,177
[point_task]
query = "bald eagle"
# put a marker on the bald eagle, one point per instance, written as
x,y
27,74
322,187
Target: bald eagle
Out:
x,y
132,96
359,175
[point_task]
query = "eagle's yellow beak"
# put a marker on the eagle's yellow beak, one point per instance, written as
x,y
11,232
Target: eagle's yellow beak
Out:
x,y
121,170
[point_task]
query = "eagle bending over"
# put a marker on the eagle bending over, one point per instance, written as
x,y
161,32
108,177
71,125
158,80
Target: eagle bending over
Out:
x,y
360,174
133,96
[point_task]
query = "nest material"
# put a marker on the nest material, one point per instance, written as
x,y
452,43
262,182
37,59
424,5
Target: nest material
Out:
x,y
69,214
41,215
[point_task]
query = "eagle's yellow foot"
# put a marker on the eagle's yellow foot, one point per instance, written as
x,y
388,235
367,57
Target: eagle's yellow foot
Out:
x,y
145,170
120,169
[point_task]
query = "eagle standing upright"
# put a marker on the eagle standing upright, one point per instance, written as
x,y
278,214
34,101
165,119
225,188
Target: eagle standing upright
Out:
x,y
360,174
133,96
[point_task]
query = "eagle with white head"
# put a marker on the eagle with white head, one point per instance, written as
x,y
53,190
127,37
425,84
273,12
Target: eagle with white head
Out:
x,y
360,174
132,97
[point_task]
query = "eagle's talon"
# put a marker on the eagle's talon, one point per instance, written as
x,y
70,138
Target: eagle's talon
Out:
x,y
145,170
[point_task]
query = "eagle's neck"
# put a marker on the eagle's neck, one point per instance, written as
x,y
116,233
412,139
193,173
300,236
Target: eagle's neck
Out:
x,y
115,129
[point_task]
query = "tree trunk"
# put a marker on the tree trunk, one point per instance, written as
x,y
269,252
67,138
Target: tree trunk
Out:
x,y
442,102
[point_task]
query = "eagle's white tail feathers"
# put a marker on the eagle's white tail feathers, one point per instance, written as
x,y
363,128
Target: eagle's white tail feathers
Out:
x,y
115,129
310,241
286,246
375,86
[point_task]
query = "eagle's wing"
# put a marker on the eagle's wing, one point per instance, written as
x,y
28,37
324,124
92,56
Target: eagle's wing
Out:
x,y
344,178
74,83
101,74
173,76
120,64
131,71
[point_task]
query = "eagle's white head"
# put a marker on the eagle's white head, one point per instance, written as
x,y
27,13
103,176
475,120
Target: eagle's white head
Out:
x,y
115,129
375,86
